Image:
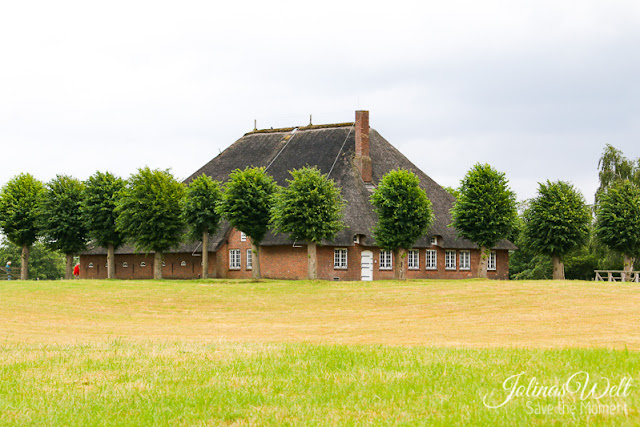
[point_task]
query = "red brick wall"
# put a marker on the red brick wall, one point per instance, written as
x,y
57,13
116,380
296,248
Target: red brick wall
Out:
x,y
282,262
173,268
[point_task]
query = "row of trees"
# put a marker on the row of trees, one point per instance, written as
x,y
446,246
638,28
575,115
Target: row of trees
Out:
x,y
558,224
152,211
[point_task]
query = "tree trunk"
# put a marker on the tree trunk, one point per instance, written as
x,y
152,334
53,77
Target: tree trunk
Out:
x,y
628,267
205,254
157,265
558,268
24,259
111,262
68,274
255,250
400,270
312,266
482,264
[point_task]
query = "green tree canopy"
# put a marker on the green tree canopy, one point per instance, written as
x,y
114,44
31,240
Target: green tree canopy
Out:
x,y
19,203
19,200
618,220
485,211
556,222
100,198
150,213
614,167
200,206
247,200
309,209
63,227
404,214
201,214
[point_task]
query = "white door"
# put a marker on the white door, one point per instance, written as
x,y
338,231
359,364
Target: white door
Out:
x,y
366,265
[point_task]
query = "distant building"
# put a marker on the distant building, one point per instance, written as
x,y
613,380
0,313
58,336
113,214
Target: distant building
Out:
x,y
355,157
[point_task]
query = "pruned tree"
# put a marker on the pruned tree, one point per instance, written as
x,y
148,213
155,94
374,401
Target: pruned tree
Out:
x,y
100,198
19,200
201,214
61,219
485,211
404,215
309,209
618,221
150,213
556,222
246,203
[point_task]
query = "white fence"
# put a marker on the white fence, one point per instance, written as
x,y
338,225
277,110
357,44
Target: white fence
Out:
x,y
617,276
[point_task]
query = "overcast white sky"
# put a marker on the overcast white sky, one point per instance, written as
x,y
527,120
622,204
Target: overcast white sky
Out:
x,y
535,88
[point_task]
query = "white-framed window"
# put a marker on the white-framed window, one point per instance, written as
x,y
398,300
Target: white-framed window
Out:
x,y
164,264
450,260
125,264
243,237
491,262
340,258
249,259
434,240
431,261
465,260
90,265
234,259
413,262
386,259
143,264
356,239
183,263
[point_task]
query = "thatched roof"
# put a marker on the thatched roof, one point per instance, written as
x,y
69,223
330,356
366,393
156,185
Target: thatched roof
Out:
x,y
322,146
281,150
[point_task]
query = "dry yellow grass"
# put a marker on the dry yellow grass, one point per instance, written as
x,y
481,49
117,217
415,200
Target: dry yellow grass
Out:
x,y
475,313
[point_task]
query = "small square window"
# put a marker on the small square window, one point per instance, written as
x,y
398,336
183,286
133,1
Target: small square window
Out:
x,y
249,259
340,258
432,259
450,260
414,259
465,260
243,237
434,240
234,259
386,260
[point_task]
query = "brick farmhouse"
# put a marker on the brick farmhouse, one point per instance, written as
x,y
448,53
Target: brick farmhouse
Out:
x,y
355,157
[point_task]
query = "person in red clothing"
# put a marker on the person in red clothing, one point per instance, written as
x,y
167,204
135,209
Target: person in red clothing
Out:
x,y
76,271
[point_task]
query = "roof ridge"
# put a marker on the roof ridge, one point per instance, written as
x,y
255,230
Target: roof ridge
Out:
x,y
301,128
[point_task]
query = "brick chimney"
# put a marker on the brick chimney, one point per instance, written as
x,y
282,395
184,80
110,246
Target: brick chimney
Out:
x,y
362,158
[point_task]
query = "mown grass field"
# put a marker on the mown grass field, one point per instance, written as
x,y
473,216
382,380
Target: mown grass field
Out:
x,y
314,353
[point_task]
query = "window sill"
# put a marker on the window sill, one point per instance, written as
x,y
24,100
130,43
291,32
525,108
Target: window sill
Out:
x,y
431,268
386,269
339,268
234,268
